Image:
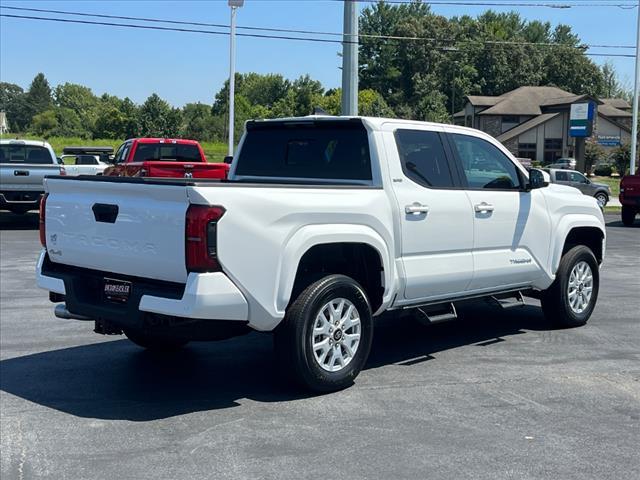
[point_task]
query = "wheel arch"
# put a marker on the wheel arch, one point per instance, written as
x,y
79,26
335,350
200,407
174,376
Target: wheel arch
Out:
x,y
311,253
578,230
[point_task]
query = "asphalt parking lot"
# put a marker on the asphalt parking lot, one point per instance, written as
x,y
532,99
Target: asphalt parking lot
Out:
x,y
494,395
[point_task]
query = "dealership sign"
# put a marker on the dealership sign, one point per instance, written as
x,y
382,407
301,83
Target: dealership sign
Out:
x,y
609,140
581,119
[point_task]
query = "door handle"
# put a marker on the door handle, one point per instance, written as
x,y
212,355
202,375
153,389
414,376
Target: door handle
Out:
x,y
416,209
483,207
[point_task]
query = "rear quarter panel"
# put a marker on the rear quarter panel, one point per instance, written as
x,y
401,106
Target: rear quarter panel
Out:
x,y
266,230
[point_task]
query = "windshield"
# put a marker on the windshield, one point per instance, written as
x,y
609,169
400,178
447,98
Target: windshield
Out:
x,y
13,153
306,150
166,152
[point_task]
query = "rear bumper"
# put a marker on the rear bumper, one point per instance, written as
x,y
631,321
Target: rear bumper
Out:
x,y
630,201
27,200
205,296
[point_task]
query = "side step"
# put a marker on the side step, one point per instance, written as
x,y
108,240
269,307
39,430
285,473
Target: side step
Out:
x,y
443,312
509,300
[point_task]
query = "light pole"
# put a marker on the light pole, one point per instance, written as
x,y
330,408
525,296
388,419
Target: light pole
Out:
x,y
350,59
234,4
636,91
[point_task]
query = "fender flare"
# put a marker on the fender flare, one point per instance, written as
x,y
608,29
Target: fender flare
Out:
x,y
312,235
564,226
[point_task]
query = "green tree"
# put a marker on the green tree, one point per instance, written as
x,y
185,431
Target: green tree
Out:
x,y
13,103
158,118
197,122
69,124
38,97
79,99
621,156
45,123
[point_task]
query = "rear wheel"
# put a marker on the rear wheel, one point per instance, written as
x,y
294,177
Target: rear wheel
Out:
x,y
628,215
325,337
602,199
154,342
570,300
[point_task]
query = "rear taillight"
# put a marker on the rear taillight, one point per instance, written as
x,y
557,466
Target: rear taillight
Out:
x,y
201,242
63,171
43,212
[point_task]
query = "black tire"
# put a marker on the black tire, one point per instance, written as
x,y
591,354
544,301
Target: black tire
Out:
x,y
628,215
555,300
153,342
293,339
601,196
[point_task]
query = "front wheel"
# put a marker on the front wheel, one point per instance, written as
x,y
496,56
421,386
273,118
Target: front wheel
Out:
x,y
325,337
154,342
602,199
628,215
571,298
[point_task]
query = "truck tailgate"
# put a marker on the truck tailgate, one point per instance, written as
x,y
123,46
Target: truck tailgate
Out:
x,y
24,176
179,169
130,229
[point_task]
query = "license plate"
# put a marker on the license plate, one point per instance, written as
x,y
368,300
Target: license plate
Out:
x,y
116,290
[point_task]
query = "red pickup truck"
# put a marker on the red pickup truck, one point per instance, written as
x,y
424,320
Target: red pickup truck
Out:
x,y
630,198
164,157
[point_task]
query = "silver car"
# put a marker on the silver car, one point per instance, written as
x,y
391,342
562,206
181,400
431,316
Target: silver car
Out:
x,y
600,191
566,163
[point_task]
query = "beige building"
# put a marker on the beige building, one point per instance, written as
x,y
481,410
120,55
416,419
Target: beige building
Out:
x,y
533,122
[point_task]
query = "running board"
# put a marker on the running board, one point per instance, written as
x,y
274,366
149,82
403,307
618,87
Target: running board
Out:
x,y
438,313
510,300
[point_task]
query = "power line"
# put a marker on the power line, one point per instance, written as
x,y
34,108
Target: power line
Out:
x,y
287,30
284,37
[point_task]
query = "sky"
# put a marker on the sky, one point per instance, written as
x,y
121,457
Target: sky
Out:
x,y
190,67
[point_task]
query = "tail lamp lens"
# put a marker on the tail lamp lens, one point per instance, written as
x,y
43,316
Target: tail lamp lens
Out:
x,y
201,239
43,211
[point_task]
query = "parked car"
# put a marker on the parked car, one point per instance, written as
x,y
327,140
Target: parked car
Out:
x,y
563,163
630,198
87,160
600,191
164,157
23,166
323,223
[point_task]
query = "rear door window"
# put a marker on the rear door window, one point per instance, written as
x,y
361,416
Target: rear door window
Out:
x,y
25,154
423,158
306,150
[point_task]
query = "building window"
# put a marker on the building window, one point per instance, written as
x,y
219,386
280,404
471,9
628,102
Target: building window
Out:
x,y
527,150
552,149
510,121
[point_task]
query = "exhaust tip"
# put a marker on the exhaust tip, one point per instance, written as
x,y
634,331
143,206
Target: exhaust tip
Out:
x,y
61,312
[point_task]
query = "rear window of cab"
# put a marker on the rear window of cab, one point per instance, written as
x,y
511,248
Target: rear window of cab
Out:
x,y
322,150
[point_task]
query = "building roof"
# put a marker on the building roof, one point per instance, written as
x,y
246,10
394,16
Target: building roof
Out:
x,y
459,114
483,100
610,111
620,103
528,125
527,100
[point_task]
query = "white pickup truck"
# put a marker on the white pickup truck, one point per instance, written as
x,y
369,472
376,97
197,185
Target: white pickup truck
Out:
x,y
23,166
324,223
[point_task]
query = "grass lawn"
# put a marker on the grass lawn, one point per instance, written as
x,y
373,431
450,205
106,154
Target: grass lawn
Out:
x,y
214,151
613,182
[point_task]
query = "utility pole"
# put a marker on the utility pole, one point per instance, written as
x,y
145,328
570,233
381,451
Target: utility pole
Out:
x,y
350,59
234,4
636,91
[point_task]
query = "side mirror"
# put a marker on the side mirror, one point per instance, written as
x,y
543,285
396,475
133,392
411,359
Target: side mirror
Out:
x,y
60,161
536,179
228,159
